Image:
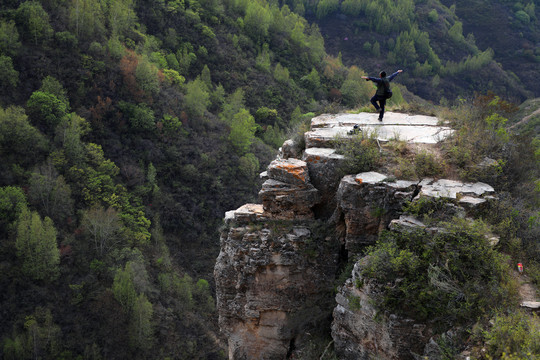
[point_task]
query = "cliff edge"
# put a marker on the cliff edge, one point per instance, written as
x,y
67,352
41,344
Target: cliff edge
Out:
x,y
276,272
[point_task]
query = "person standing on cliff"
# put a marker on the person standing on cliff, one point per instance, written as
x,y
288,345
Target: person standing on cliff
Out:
x,y
383,90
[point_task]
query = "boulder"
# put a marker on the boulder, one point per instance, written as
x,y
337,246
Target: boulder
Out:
x,y
290,149
290,171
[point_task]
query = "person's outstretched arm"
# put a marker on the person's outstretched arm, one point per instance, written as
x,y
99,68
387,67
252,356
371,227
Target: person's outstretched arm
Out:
x,y
374,79
394,75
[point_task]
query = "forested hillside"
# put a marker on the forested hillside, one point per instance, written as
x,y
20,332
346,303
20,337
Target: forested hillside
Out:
x,y
129,127
451,48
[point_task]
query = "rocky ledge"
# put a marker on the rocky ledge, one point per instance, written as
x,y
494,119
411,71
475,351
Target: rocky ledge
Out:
x,y
278,261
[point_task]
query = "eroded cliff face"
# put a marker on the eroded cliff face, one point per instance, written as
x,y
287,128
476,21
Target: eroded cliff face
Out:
x,y
279,259
275,272
360,333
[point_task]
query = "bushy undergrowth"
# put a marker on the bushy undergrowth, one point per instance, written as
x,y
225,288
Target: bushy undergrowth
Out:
x,y
483,148
361,153
511,336
427,164
449,277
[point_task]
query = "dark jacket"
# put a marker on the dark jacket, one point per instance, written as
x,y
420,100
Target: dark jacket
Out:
x,y
381,83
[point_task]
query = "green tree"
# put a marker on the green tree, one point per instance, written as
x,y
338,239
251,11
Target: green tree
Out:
x,y
353,7
297,34
376,50
141,329
69,133
206,78
456,32
46,110
355,90
124,289
141,117
242,131
523,17
34,21
185,57
49,193
217,97
257,20
433,16
197,98
281,74
233,104
36,246
9,77
51,85
120,17
265,115
9,38
146,74
404,52
20,142
39,338
312,81
249,164
86,19
262,62
203,297
12,203
326,7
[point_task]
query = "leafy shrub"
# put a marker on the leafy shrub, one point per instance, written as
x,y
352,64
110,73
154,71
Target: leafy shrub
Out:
x,y
405,169
480,133
513,336
426,164
452,276
361,153
431,209
433,16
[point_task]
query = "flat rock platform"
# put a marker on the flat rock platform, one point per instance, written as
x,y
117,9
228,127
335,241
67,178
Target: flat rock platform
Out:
x,y
420,129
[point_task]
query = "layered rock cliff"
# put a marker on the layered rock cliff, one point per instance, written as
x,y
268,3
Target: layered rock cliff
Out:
x,y
279,259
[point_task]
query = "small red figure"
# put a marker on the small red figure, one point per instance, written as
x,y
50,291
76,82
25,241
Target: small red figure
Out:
x,y
520,268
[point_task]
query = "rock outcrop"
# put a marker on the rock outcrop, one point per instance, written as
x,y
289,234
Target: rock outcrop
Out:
x,y
367,203
276,268
279,259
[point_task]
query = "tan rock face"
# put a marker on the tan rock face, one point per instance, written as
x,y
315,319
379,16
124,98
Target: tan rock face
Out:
x,y
273,281
288,193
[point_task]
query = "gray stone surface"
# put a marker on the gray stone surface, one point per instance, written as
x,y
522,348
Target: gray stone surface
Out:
x,y
451,189
411,128
406,223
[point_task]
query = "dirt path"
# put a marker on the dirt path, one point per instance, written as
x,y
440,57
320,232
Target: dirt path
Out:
x,y
527,291
525,119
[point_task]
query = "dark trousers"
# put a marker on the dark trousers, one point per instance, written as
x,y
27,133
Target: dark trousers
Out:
x,y
382,103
